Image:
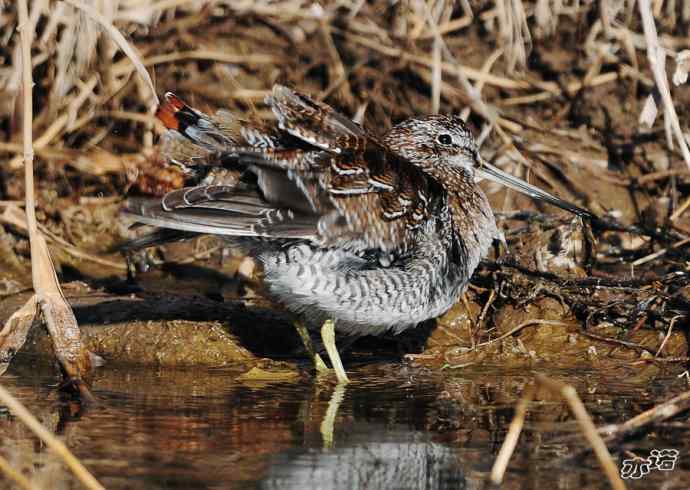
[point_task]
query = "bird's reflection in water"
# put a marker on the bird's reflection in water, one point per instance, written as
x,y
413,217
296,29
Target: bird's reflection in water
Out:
x,y
367,455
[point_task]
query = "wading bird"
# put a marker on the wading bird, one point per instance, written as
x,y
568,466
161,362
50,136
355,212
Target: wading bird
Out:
x,y
355,233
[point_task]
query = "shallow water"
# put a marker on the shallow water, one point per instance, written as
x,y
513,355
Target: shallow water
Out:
x,y
395,426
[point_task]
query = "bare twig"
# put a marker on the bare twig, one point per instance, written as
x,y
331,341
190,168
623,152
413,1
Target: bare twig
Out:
x,y
660,253
624,343
523,325
681,209
668,334
593,281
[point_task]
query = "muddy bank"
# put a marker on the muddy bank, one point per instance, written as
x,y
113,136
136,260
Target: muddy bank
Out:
x,y
164,329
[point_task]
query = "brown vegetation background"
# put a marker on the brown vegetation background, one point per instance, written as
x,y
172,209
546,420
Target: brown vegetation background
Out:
x,y
561,93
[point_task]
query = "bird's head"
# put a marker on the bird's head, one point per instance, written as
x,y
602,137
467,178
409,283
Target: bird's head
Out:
x,y
441,145
435,141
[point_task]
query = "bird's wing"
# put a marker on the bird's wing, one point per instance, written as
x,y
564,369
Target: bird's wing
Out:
x,y
318,175
207,209
314,122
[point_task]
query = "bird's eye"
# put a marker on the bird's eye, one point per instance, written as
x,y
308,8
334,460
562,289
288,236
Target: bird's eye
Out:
x,y
445,139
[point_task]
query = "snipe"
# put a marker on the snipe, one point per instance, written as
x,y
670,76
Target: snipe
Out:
x,y
355,233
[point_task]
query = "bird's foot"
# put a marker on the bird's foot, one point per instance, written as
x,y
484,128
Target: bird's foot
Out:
x,y
309,347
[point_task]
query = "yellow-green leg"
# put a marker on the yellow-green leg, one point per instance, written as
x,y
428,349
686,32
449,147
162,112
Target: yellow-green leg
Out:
x,y
328,337
309,346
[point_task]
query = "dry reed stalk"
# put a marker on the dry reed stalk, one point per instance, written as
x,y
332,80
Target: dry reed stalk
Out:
x,y
514,32
569,394
656,55
501,464
658,413
436,57
14,476
588,428
439,49
337,67
471,73
14,333
204,54
129,50
55,444
437,75
59,318
14,216
448,27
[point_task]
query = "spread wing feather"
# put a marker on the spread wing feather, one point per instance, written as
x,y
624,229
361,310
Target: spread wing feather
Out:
x,y
317,176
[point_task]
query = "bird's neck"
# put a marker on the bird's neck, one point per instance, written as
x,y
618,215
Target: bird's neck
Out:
x,y
473,221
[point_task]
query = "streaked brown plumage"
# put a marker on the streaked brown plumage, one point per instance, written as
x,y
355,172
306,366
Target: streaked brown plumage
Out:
x,y
374,233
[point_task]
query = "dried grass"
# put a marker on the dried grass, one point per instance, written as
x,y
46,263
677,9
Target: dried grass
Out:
x,y
381,63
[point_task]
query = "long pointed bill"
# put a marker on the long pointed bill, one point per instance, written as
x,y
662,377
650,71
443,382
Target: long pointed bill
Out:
x,y
494,174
